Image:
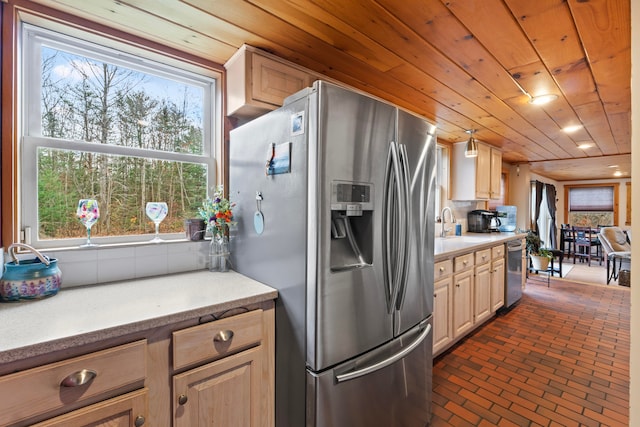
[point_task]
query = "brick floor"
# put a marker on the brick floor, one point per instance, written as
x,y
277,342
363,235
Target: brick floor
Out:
x,y
558,358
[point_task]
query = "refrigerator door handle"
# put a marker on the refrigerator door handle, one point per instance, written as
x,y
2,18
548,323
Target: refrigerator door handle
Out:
x,y
386,362
391,258
406,215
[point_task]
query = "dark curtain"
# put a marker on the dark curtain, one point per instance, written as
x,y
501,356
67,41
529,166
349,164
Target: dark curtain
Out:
x,y
539,187
551,204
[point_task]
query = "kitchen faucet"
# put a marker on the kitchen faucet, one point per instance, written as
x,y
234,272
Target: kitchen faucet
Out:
x,y
453,219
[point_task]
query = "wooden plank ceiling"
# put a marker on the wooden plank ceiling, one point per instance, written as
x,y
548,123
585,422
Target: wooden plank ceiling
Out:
x,y
463,64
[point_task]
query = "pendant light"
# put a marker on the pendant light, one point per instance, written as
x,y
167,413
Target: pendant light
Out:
x,y
471,149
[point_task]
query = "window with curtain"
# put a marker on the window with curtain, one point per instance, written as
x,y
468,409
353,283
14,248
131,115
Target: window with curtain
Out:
x,y
591,206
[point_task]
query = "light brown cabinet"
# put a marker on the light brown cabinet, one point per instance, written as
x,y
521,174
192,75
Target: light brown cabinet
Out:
x,y
476,178
462,295
69,384
497,277
123,411
468,290
258,82
232,389
221,393
482,286
495,184
225,367
442,306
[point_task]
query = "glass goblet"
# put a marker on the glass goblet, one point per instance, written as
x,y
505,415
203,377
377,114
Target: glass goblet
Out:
x,y
88,214
157,211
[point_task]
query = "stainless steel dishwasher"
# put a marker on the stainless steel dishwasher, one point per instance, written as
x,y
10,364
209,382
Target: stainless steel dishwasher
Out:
x,y
513,288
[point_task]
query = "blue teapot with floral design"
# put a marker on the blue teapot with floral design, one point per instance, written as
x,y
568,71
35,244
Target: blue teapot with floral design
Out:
x,y
29,278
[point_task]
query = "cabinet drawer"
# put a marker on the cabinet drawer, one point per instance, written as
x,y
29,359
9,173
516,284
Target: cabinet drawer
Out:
x,y
463,262
40,390
497,251
126,410
442,269
216,339
483,256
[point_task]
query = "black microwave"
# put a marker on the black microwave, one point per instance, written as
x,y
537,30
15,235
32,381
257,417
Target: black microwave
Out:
x,y
479,221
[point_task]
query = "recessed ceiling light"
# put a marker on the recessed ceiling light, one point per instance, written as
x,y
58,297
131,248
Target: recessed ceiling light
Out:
x,y
542,99
617,173
612,166
572,128
585,145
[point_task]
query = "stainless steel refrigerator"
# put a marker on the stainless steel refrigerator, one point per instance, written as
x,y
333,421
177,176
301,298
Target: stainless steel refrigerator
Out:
x,y
335,209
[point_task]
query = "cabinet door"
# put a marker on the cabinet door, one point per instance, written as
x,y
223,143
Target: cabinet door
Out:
x,y
442,333
462,302
497,284
482,293
123,411
222,393
483,172
496,174
273,81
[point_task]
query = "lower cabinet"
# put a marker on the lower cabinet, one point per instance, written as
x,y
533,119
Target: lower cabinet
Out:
x,y
442,331
71,385
462,302
222,393
126,411
497,284
482,293
468,290
231,390
195,372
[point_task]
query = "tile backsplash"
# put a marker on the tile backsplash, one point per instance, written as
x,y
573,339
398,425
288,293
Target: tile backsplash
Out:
x,y
90,266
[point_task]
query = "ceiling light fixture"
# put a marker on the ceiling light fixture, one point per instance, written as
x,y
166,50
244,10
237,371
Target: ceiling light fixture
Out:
x,y
542,99
471,150
534,100
572,128
617,173
585,145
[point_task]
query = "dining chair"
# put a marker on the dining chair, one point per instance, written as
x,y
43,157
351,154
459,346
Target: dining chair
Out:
x,y
566,240
585,240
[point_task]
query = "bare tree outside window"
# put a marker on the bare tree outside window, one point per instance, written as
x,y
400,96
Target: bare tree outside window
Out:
x,y
122,135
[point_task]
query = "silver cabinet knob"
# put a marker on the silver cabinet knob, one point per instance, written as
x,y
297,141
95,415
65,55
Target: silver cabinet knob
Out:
x,y
78,378
223,336
182,399
139,421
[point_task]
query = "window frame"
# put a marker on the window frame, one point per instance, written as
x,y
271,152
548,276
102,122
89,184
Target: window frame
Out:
x,y
442,186
616,198
120,53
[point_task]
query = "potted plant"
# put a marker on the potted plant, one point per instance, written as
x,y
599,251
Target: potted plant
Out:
x,y
540,257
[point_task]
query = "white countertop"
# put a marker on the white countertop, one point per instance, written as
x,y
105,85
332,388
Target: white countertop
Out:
x,y
82,315
456,245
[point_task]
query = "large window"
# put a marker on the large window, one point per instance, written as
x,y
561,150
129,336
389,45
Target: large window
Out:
x,y
592,205
115,127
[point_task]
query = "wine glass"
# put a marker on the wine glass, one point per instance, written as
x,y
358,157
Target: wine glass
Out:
x,y
88,213
157,211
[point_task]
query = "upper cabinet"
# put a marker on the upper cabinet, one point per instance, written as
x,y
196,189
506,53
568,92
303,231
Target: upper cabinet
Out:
x,y
258,82
475,178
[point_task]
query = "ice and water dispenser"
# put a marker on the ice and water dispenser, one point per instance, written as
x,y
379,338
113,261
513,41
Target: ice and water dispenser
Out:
x,y
351,225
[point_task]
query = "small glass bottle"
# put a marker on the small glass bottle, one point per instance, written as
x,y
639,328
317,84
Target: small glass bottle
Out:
x,y
219,253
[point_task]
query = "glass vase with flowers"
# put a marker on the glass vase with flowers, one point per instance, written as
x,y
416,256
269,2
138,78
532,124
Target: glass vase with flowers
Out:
x,y
217,212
